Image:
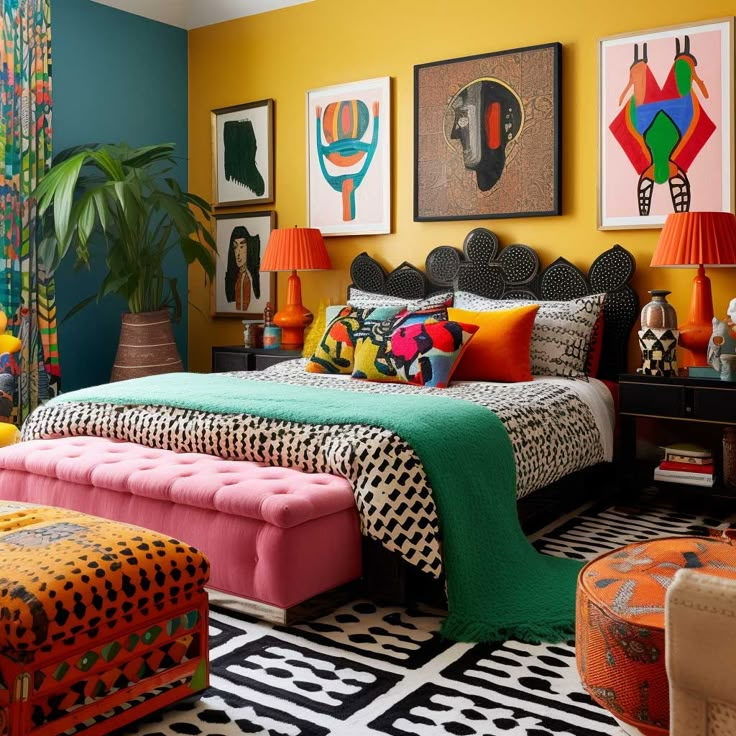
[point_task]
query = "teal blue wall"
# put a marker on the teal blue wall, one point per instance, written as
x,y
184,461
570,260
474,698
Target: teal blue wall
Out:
x,y
117,77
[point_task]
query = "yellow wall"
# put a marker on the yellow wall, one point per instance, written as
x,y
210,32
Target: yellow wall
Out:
x,y
282,54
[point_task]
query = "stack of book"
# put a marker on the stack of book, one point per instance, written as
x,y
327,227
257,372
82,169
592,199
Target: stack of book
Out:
x,y
688,464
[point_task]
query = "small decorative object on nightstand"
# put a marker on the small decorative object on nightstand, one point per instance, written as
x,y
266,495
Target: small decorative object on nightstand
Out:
x,y
728,367
294,249
697,239
658,336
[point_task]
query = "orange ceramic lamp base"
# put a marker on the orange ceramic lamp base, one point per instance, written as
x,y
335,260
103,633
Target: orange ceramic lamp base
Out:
x,y
696,332
294,317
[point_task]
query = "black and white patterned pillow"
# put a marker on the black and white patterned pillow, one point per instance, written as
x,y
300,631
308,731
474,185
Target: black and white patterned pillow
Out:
x,y
368,300
561,334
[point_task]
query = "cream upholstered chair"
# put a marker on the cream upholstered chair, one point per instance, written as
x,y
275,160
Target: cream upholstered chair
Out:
x,y
700,626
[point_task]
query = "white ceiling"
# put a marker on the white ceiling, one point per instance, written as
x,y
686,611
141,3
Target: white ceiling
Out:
x,y
190,14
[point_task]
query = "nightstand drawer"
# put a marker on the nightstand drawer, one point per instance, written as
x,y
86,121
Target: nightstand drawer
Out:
x,y
223,361
266,361
714,405
653,399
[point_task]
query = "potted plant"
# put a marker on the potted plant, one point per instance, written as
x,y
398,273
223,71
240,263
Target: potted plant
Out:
x,y
142,213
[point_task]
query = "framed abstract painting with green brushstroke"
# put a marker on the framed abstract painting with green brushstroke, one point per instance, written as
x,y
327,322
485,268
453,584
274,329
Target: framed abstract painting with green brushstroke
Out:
x,y
242,154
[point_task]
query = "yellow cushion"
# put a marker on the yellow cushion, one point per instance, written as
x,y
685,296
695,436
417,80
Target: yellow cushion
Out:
x,y
315,332
9,434
499,351
9,344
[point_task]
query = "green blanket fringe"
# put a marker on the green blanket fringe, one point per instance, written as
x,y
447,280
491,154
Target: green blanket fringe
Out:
x,y
498,585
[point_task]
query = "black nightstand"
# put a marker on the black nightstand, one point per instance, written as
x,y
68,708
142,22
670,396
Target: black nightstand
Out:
x,y
238,358
704,401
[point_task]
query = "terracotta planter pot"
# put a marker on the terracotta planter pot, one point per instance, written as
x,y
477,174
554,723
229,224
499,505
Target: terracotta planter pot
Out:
x,y
146,346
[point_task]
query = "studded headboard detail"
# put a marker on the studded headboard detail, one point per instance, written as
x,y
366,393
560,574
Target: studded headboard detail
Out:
x,y
515,272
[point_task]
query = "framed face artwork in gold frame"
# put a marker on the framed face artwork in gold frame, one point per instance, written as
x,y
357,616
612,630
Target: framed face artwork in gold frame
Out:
x,y
242,154
240,289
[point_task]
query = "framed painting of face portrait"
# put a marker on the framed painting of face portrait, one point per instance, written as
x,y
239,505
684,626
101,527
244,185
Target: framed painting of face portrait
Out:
x,y
242,154
487,135
349,158
665,123
239,288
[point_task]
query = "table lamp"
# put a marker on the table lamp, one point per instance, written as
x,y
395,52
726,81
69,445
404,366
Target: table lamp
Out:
x,y
697,239
294,249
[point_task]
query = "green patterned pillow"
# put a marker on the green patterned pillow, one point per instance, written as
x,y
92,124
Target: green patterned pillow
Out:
x,y
335,350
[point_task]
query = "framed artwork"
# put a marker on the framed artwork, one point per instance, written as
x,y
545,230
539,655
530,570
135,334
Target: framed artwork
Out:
x,y
349,158
239,288
242,154
665,123
487,135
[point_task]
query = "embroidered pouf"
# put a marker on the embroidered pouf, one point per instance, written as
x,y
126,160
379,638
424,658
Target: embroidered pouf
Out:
x,y
100,622
620,624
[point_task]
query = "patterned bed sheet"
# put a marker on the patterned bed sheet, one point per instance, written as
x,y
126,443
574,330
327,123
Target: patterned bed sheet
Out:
x,y
556,427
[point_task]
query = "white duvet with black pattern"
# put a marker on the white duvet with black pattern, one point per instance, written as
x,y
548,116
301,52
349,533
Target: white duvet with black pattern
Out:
x,y
556,427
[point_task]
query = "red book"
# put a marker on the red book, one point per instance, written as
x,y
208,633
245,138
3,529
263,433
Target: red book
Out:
x,y
687,467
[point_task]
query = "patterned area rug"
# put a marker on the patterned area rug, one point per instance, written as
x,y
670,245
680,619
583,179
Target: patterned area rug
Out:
x,y
374,670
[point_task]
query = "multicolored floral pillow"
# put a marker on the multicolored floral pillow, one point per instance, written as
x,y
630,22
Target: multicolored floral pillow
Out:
x,y
371,341
335,352
427,353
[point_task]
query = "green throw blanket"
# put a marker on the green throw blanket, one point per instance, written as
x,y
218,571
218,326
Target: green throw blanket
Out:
x,y
499,587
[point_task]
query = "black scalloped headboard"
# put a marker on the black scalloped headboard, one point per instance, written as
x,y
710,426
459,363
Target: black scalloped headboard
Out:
x,y
514,273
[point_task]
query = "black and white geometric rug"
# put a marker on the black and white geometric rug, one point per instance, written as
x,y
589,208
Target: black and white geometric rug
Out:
x,y
372,671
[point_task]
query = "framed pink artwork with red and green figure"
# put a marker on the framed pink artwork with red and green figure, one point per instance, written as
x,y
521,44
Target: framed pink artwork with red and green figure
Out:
x,y
666,124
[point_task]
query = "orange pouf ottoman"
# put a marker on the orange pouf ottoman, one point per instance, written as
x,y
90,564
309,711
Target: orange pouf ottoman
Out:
x,y
620,624
100,622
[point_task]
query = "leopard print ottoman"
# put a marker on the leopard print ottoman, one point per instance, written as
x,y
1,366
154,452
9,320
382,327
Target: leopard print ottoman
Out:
x,y
94,615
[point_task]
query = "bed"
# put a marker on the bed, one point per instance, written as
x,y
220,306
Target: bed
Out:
x,y
557,427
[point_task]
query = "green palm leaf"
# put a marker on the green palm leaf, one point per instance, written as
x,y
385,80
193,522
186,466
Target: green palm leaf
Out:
x,y
140,210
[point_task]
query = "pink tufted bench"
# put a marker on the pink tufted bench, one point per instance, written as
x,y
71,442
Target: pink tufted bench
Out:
x,y
273,535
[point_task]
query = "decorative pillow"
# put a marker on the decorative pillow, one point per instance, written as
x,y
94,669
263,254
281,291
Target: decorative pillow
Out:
x,y
593,361
369,300
316,330
561,333
335,352
410,316
427,353
371,341
500,349
333,310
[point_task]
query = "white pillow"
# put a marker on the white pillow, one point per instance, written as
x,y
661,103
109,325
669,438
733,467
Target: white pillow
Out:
x,y
368,300
561,334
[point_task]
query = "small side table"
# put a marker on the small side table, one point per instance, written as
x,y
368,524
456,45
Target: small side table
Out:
x,y
237,358
699,400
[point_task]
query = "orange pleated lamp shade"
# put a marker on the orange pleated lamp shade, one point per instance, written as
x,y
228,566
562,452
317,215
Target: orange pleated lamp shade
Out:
x,y
697,238
296,249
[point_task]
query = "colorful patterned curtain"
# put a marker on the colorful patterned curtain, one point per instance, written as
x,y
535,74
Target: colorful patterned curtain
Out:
x,y
26,293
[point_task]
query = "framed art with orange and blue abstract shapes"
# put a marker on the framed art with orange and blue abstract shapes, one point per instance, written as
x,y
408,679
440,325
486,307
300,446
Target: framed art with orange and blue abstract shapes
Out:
x,y
349,158
666,123
487,135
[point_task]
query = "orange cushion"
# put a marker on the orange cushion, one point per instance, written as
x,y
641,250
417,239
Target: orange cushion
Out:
x,y
499,350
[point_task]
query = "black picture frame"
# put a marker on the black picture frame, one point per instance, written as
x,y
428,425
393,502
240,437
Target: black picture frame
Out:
x,y
449,186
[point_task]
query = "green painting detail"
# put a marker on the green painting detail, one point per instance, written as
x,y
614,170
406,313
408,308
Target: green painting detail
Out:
x,y
240,155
